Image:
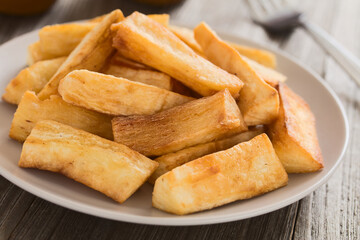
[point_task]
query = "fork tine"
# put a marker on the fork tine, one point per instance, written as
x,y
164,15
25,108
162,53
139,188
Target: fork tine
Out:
x,y
256,9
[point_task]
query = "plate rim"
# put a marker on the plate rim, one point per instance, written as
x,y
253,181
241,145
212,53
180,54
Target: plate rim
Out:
x,y
179,221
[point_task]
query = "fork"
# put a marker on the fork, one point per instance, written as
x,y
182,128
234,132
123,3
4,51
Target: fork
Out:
x,y
277,17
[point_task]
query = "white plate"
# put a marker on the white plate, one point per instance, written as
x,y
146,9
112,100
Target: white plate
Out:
x,y
332,127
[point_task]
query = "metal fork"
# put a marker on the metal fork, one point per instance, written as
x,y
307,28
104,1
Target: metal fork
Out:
x,y
275,17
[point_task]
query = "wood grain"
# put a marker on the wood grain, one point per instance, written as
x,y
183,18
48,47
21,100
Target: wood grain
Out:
x,y
331,212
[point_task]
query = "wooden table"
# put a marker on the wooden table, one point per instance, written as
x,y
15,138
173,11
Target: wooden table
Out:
x,y
331,212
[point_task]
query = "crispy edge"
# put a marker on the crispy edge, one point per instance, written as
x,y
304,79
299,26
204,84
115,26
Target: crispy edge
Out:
x,y
30,159
229,120
257,107
32,78
86,53
285,137
170,161
134,26
167,184
87,96
19,131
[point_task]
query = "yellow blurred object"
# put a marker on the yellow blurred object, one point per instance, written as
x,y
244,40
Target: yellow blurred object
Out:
x,y
24,7
159,2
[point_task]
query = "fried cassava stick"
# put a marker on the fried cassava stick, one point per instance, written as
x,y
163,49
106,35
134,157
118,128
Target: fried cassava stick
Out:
x,y
196,122
106,166
269,75
243,171
187,36
142,39
91,53
170,161
294,136
32,110
32,78
263,57
61,39
116,96
258,101
149,77
34,54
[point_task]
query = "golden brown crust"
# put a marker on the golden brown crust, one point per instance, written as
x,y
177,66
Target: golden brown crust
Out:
x,y
159,79
120,60
144,40
106,166
269,75
170,161
243,171
150,77
32,78
116,96
160,18
294,136
34,54
32,110
261,56
163,19
91,53
258,101
61,39
195,122
187,36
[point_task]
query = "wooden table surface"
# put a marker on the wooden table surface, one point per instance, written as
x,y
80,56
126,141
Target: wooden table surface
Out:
x,y
331,212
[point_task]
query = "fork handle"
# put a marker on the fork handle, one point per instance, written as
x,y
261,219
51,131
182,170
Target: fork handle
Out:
x,y
345,58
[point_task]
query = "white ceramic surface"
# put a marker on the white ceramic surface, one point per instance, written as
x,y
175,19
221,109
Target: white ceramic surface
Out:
x,y
332,127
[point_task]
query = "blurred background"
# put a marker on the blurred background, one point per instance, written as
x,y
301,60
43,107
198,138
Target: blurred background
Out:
x,y
30,14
